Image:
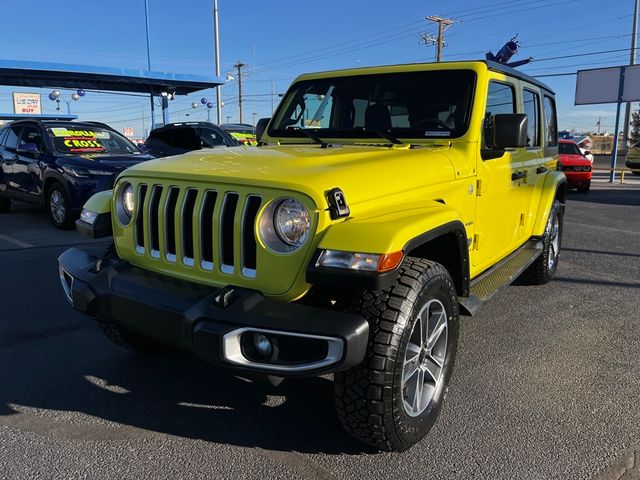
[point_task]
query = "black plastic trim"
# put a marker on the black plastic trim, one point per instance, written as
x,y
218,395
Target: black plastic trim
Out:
x,y
100,228
187,316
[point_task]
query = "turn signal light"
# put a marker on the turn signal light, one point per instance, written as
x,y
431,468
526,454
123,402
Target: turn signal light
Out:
x,y
370,262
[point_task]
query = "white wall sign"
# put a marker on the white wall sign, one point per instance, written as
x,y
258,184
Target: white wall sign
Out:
x,y
27,103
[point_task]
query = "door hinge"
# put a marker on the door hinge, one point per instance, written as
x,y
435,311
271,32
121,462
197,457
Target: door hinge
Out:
x,y
478,188
476,241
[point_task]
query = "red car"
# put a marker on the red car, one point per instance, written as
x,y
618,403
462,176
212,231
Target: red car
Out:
x,y
576,167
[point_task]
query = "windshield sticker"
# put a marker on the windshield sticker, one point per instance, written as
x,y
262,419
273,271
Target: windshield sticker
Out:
x,y
437,133
83,145
65,132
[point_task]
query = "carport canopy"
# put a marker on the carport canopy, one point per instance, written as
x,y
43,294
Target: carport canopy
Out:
x,y
58,75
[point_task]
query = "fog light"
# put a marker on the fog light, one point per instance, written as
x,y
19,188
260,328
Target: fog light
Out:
x,y
262,344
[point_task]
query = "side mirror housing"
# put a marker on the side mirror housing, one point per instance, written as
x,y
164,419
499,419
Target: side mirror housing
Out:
x,y
261,127
27,148
509,130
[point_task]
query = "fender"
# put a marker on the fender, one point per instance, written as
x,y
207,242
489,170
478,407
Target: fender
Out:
x,y
553,182
399,227
100,202
99,226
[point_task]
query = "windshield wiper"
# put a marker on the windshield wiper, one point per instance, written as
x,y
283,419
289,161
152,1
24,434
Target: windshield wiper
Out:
x,y
311,135
384,134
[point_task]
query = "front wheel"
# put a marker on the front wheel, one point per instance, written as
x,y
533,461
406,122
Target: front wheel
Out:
x,y
59,207
393,398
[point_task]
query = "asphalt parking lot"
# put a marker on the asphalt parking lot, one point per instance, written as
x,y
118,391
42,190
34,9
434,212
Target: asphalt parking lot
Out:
x,y
547,381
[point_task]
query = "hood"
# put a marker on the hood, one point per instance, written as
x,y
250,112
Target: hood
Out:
x,y
362,172
108,161
573,159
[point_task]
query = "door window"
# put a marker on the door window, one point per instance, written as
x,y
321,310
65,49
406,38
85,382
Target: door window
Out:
x,y
551,121
501,99
532,110
32,135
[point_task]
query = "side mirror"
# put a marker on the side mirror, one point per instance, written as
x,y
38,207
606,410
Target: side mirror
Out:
x,y
27,148
261,127
509,130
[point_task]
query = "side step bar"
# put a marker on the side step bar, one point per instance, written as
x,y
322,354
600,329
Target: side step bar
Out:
x,y
502,274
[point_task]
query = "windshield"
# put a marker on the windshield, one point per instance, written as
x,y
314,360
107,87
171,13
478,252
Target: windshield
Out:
x,y
406,105
89,139
568,149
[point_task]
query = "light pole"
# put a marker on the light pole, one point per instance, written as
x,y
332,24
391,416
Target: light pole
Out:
x,y
55,96
217,47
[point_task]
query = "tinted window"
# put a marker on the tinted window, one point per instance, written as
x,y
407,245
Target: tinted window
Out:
x,y
569,149
532,109
410,104
32,135
12,138
89,139
501,99
211,138
551,121
186,138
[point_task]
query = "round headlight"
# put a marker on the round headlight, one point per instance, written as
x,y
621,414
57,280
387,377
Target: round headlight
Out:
x,y
128,200
292,222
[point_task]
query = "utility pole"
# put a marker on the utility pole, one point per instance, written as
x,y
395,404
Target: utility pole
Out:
x,y
632,61
239,66
443,24
599,124
217,48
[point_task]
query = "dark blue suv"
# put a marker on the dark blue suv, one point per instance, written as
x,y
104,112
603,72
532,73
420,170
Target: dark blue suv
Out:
x,y
61,164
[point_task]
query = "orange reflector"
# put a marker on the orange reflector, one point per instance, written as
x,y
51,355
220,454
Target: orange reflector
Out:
x,y
390,261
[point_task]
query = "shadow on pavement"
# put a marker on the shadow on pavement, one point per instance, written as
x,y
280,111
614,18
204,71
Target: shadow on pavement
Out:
x,y
600,252
608,196
174,394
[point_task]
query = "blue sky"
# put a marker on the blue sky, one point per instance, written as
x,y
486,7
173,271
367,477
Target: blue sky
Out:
x,y
279,40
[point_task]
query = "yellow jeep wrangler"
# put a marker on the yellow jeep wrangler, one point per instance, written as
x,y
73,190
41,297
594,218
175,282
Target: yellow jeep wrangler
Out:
x,y
381,204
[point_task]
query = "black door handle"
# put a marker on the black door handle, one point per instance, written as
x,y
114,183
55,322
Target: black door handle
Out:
x,y
517,176
541,170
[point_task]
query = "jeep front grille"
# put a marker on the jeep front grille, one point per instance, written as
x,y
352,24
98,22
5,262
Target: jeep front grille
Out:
x,y
199,228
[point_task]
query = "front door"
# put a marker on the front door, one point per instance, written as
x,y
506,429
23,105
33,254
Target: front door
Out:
x,y
26,168
501,186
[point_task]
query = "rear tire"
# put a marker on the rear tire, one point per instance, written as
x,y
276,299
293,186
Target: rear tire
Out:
x,y
131,340
5,204
544,267
392,399
59,207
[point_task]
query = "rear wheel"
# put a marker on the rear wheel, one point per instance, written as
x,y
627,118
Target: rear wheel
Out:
x,y
59,207
393,398
544,267
5,204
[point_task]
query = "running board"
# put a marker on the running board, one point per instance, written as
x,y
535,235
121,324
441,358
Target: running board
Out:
x,y
500,275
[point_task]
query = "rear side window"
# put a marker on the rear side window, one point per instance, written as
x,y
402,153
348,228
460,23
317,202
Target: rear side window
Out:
x,y
532,109
501,99
551,121
211,138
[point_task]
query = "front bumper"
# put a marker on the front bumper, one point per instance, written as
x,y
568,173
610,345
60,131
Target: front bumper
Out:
x,y
213,323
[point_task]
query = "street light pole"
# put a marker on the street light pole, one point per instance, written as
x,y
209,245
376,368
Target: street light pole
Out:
x,y
217,48
146,26
632,61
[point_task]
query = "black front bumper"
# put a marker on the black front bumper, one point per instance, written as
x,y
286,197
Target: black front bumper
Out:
x,y
203,320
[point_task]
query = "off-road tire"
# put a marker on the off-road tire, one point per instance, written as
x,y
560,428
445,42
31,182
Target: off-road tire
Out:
x,y
68,222
369,398
5,204
131,340
585,188
540,271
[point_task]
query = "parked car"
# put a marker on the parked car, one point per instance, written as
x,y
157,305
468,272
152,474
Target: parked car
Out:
x,y
241,132
177,138
576,167
383,202
61,164
633,158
